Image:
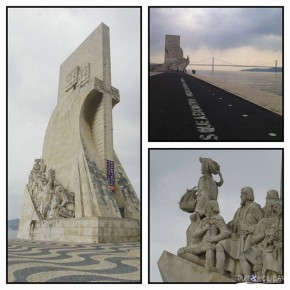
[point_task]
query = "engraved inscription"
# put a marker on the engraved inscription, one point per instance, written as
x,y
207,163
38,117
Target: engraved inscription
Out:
x,y
85,75
78,76
72,79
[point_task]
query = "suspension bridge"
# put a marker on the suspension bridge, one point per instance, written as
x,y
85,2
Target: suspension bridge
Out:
x,y
213,63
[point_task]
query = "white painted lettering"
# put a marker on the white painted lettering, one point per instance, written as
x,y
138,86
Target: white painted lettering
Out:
x,y
202,123
205,129
208,137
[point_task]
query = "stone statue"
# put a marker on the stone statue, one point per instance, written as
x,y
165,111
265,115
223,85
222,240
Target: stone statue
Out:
x,y
207,186
55,208
209,231
242,227
272,259
264,258
66,206
46,193
50,201
271,198
248,248
195,199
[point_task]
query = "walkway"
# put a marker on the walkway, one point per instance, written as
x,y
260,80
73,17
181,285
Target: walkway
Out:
x,y
184,108
56,262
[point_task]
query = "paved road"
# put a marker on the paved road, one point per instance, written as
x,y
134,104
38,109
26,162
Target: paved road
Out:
x,y
184,108
57,262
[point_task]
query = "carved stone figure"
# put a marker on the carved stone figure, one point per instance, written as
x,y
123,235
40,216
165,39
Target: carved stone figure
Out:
x,y
50,201
265,255
272,258
209,231
242,227
66,206
46,193
207,186
271,198
248,248
195,199
55,208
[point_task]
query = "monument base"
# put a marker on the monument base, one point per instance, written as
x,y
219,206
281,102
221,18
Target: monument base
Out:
x,y
86,230
175,269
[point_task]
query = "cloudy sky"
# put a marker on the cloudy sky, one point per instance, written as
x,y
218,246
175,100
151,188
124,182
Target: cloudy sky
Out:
x,y
246,36
39,40
174,171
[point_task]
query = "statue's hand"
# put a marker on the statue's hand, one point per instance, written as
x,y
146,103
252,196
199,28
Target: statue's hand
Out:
x,y
206,227
210,239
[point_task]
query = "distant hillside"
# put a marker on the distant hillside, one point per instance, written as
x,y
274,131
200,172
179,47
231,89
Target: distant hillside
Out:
x,y
271,69
13,224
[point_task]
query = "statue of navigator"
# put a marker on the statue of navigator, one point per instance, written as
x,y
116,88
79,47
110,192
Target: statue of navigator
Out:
x,y
242,226
208,232
195,199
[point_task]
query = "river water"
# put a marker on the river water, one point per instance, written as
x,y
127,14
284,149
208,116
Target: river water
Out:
x,y
12,234
270,82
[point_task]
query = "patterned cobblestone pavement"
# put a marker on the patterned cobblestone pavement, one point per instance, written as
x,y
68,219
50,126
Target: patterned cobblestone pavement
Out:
x,y
58,262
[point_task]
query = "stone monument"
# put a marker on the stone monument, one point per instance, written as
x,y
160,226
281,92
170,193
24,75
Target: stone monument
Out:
x,y
174,59
247,249
78,191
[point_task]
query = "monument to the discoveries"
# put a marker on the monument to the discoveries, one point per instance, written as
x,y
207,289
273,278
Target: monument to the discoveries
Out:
x,y
174,59
78,191
247,249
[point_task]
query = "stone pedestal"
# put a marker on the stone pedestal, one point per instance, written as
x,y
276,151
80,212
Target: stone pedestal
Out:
x,y
87,230
175,269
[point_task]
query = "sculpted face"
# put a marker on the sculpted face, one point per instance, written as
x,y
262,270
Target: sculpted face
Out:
x,y
243,197
277,208
214,168
208,210
59,189
44,181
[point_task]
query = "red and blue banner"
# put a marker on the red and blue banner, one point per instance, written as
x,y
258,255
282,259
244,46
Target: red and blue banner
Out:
x,y
110,174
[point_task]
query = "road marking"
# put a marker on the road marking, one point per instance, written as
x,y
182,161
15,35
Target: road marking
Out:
x,y
273,134
202,123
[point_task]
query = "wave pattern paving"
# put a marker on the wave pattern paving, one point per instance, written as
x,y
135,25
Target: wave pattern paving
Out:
x,y
57,262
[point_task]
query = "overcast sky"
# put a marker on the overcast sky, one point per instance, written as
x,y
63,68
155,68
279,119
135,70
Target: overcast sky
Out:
x,y
172,172
39,41
236,35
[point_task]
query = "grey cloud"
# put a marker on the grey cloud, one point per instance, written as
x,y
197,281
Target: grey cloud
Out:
x,y
218,28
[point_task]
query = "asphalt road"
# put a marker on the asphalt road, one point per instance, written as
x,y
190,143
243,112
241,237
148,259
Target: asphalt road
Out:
x,y
184,108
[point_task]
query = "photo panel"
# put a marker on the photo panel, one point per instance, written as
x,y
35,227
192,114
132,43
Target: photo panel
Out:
x,y
216,215
74,135
216,73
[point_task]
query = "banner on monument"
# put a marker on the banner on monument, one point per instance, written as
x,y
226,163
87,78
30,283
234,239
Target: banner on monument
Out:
x,y
110,174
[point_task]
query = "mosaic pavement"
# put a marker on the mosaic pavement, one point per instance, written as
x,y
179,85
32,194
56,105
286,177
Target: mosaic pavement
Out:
x,y
58,262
